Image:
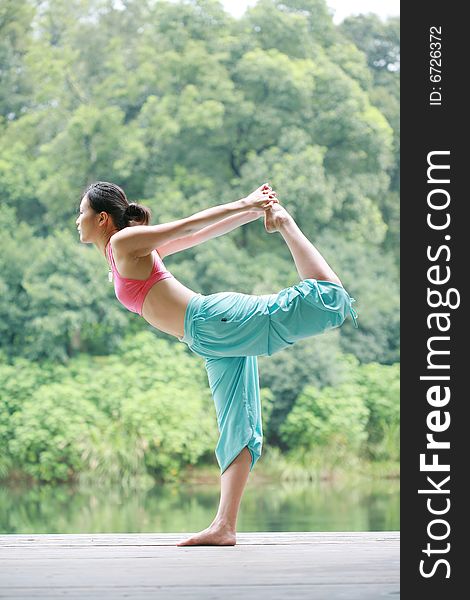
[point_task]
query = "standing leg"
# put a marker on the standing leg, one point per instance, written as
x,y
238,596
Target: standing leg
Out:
x,y
222,530
309,262
234,384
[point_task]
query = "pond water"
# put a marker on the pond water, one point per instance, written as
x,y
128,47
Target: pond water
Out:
x,y
366,506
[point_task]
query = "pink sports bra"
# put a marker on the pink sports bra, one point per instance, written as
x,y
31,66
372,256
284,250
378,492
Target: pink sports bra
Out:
x,y
131,292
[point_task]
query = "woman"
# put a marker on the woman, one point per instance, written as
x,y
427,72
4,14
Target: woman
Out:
x,y
229,329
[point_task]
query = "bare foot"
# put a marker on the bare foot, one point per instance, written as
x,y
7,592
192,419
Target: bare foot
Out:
x,y
274,217
212,536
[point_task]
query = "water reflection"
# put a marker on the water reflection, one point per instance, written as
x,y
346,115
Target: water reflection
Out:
x,y
366,506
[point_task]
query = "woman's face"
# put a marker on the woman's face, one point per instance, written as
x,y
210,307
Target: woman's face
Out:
x,y
86,221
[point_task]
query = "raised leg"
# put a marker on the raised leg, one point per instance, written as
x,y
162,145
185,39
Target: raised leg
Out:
x,y
308,260
222,530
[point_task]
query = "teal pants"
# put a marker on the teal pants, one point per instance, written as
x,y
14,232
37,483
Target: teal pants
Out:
x,y
230,330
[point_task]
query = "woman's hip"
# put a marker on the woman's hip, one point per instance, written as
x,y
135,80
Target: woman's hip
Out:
x,y
227,324
237,324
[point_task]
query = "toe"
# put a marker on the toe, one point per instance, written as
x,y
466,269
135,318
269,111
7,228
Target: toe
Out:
x,y
187,542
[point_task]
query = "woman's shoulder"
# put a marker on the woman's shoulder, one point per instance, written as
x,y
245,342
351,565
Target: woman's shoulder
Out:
x,y
129,266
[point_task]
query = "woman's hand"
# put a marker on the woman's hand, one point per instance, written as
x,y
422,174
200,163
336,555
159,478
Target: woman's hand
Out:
x,y
260,199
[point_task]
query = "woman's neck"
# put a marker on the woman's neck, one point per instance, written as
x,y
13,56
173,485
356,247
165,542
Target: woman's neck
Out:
x,y
102,245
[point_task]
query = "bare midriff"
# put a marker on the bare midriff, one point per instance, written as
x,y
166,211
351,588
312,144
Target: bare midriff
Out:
x,y
165,306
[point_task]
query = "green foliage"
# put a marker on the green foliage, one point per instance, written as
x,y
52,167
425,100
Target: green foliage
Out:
x,y
15,23
156,433
52,431
186,107
382,392
337,425
18,382
162,402
146,411
370,276
54,303
316,362
380,42
332,420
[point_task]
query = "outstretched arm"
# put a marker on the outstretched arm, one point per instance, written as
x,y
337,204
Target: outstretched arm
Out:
x,y
141,240
212,231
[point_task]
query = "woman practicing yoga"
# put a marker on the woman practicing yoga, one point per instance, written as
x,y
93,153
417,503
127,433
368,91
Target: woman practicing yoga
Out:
x,y
228,329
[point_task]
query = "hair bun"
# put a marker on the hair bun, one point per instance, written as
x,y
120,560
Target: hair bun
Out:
x,y
136,213
132,209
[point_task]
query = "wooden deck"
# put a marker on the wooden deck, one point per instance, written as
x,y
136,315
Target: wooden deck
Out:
x,y
265,566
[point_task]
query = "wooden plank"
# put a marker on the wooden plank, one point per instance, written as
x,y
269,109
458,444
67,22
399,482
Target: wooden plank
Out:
x,y
169,539
266,565
290,592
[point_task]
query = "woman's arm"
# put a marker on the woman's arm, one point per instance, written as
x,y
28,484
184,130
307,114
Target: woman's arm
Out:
x,y
140,240
212,231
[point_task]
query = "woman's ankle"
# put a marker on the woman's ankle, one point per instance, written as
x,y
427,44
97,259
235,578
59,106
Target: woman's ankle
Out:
x,y
223,523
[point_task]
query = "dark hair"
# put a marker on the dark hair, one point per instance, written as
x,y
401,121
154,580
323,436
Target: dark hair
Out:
x,y
110,198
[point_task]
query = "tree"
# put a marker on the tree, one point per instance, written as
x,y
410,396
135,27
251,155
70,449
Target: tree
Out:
x,y
15,29
186,107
